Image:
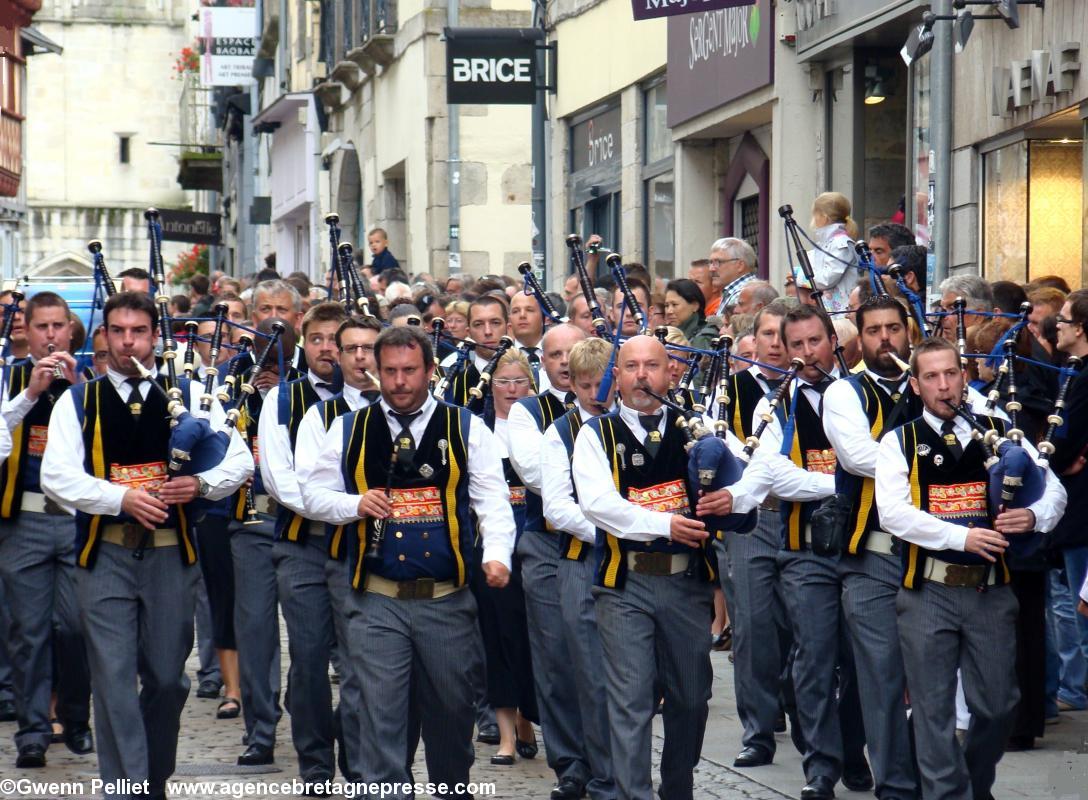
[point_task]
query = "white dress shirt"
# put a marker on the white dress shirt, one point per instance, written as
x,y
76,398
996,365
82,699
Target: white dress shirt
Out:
x,y
311,432
543,383
900,517
277,458
607,509
5,441
775,474
65,480
327,499
557,487
526,440
847,426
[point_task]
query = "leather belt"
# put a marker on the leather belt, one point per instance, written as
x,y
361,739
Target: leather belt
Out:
x,y
880,542
645,563
265,504
40,504
770,504
959,575
419,589
130,536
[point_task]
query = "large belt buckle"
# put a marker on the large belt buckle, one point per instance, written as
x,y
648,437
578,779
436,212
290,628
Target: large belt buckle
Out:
x,y
53,508
131,535
963,575
419,589
653,563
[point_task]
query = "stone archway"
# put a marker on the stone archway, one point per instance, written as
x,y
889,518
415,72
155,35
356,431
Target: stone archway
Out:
x,y
349,198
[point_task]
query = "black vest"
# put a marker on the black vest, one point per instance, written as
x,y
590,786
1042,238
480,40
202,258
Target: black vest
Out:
x,y
544,408
294,401
954,491
567,426
879,409
658,483
430,532
22,470
810,450
334,534
128,451
745,392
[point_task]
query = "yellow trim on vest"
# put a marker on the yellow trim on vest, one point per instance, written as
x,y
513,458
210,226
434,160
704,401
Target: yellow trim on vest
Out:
x,y
793,525
574,551
451,496
868,485
334,546
98,464
916,500
738,422
183,536
361,487
615,554
14,458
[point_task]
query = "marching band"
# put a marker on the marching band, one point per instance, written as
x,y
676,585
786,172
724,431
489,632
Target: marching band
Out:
x,y
536,523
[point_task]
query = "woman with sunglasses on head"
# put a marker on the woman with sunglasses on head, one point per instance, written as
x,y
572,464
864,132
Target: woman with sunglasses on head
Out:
x,y
502,611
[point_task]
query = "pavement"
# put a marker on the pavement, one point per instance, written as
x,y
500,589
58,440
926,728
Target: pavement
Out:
x,y
1056,770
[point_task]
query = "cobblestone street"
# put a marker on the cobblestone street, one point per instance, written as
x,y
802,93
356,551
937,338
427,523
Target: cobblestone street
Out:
x,y
208,749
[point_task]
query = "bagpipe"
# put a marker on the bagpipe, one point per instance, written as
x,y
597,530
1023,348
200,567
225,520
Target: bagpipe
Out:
x,y
353,294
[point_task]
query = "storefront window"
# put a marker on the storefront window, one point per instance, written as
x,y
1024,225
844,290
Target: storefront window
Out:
x,y
1032,211
920,211
661,224
658,136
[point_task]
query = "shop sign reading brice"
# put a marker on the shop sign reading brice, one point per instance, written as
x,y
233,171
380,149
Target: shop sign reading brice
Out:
x,y
715,57
492,65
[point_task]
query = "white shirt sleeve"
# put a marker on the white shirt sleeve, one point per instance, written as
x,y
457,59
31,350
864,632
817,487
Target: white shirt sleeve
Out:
x,y
277,457
771,469
324,495
560,507
63,476
16,408
602,504
847,429
237,465
525,444
752,487
489,495
898,515
1049,508
5,441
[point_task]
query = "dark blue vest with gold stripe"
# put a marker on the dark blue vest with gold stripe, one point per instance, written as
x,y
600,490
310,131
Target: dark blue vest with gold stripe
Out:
x,y
294,401
120,449
21,472
879,407
430,532
329,410
658,483
745,392
811,451
567,426
953,490
545,408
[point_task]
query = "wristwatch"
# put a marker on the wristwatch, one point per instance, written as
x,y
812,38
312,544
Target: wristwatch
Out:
x,y
203,487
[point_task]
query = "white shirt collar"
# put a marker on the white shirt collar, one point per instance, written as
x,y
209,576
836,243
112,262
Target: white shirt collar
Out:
x,y
117,379
631,417
559,394
427,409
879,378
960,427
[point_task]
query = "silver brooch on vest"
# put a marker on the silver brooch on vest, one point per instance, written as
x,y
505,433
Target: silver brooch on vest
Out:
x,y
426,470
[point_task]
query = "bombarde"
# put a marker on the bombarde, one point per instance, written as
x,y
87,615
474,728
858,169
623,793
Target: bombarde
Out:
x,y
752,442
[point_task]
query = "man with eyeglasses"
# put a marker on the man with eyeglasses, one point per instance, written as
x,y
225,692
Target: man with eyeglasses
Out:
x,y
732,262
538,550
1070,536
355,340
300,551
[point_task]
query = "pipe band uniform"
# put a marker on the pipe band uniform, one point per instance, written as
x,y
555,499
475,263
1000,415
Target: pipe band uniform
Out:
x,y
420,578
932,489
108,453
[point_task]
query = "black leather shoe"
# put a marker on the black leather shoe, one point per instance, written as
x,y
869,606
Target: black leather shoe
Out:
x,y
819,788
752,757
31,756
7,711
857,778
208,690
488,734
79,740
502,760
780,722
256,755
526,749
568,789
